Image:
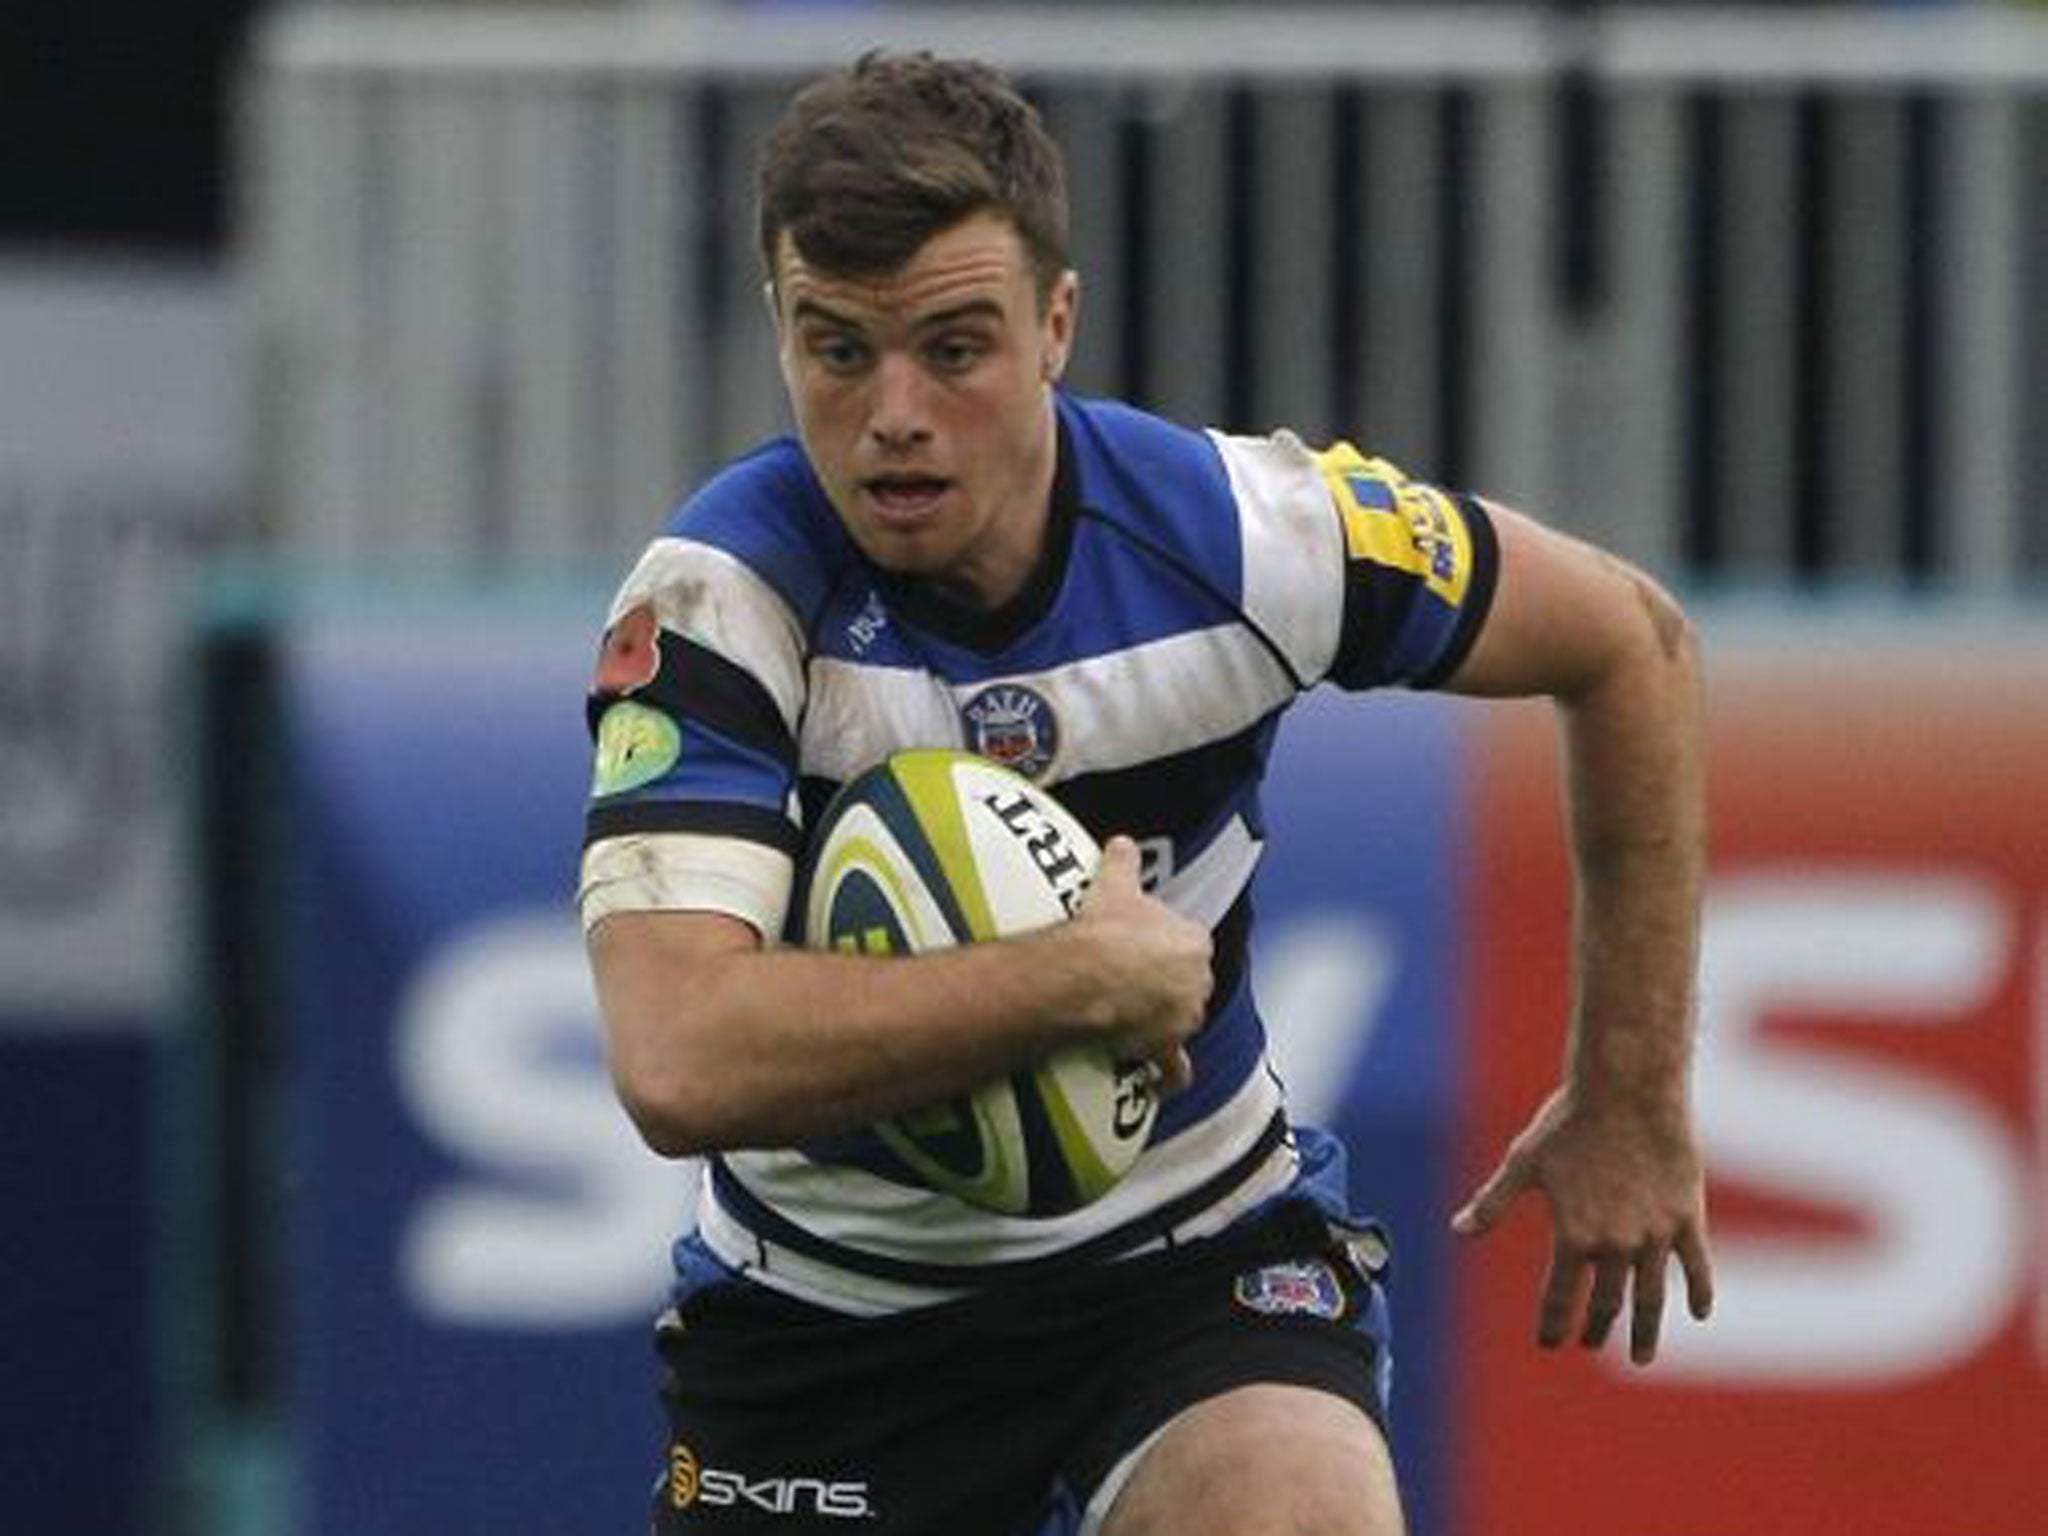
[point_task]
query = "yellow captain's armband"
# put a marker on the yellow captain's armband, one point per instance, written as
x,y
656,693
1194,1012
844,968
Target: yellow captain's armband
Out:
x,y
1391,521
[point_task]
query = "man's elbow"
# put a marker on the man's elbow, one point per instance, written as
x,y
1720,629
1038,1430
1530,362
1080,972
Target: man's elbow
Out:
x,y
665,1133
673,1107
1648,655
1670,634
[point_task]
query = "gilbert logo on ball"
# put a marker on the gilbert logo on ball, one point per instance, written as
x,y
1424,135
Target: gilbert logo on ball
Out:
x,y
934,848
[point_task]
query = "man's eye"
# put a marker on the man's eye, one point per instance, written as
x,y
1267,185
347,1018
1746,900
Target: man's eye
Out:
x,y
955,354
839,354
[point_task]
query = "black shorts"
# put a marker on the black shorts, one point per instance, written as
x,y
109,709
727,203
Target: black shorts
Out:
x,y
1000,1413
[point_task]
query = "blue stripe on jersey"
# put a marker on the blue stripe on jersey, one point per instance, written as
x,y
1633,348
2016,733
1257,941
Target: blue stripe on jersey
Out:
x,y
769,511
1226,1052
1414,644
1151,475
710,766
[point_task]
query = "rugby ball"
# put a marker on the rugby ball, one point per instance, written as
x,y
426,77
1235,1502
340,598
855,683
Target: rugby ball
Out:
x,y
934,848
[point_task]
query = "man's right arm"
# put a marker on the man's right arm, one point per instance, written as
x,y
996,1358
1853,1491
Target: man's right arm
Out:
x,y
716,1042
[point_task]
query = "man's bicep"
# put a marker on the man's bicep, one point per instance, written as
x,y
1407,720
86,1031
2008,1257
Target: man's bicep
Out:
x,y
640,959
623,939
655,974
1562,610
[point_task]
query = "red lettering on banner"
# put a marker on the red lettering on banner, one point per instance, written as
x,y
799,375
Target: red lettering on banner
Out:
x,y
1872,1088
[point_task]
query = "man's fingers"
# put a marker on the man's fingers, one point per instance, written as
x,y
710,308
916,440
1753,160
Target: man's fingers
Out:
x,y
1610,1290
1173,1072
1560,1297
1120,862
1648,1321
1699,1272
1479,1213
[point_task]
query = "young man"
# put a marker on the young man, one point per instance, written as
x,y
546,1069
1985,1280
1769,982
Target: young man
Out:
x,y
953,543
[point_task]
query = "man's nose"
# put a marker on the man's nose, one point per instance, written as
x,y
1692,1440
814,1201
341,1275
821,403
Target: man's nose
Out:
x,y
898,417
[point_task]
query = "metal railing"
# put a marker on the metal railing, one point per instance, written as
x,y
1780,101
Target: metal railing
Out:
x,y
1742,294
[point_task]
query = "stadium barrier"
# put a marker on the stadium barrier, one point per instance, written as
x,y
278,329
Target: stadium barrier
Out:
x,y
1743,294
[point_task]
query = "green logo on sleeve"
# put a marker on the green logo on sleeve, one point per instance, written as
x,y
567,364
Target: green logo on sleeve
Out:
x,y
635,745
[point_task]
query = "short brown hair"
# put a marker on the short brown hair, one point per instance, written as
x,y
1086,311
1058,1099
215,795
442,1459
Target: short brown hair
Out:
x,y
870,162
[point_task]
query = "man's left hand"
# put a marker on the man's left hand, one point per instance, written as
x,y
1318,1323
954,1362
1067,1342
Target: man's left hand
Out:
x,y
1626,1194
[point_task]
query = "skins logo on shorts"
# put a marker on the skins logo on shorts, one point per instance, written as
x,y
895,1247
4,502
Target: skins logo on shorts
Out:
x,y
1298,1289
685,1477
693,1485
631,653
1013,725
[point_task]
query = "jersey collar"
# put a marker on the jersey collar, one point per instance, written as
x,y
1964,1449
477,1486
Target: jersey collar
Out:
x,y
991,631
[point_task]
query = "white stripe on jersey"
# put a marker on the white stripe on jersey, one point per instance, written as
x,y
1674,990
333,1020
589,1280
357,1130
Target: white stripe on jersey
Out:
x,y
1293,546
1115,710
857,715
1205,886
862,1211
704,594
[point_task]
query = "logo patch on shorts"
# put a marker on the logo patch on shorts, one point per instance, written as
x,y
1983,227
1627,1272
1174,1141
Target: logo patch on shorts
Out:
x,y
1300,1289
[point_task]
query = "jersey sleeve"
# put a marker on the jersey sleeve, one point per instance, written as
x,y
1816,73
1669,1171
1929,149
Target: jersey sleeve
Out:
x,y
698,687
1419,568
1354,572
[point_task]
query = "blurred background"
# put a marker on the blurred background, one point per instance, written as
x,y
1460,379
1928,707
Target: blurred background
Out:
x,y
347,354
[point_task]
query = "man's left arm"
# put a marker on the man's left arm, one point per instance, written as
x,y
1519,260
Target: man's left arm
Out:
x,y
1612,1150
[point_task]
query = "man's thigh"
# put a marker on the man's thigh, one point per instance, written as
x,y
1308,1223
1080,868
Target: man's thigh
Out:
x,y
1262,1459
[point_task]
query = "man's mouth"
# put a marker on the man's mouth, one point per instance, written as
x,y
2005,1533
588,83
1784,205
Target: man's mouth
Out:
x,y
905,496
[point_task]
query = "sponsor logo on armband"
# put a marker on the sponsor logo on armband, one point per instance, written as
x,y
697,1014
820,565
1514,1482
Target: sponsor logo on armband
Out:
x,y
1429,524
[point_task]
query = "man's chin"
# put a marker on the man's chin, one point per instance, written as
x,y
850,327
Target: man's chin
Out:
x,y
901,552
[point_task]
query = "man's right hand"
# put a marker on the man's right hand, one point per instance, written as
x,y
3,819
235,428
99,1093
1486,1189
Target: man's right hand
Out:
x,y
1150,966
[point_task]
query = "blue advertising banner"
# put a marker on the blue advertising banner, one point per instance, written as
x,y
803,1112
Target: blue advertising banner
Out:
x,y
482,1238
482,1241
1362,908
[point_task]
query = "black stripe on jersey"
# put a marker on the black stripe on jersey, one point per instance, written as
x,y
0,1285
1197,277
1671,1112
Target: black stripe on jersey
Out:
x,y
713,818
1478,593
769,1224
696,683
1375,607
814,793
1154,798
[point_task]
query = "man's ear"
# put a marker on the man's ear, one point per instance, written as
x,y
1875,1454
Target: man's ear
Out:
x,y
1062,313
771,301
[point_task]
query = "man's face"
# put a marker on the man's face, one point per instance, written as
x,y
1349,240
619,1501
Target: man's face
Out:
x,y
924,402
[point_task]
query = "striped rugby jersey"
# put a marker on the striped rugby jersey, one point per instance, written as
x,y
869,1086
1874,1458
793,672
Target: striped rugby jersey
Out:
x,y
1193,584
